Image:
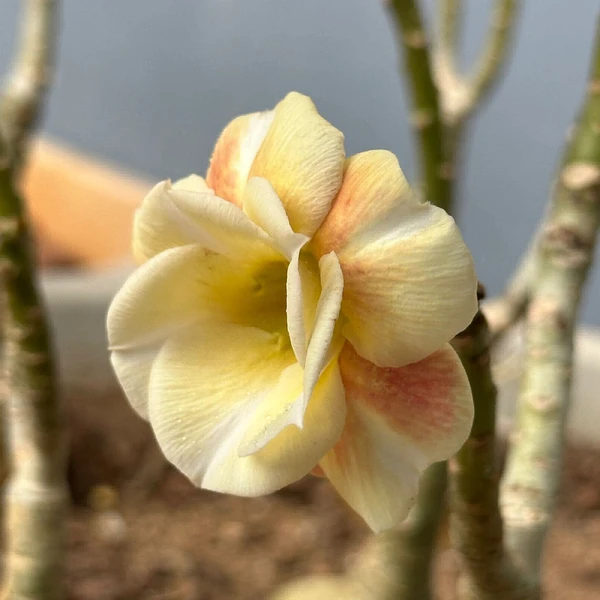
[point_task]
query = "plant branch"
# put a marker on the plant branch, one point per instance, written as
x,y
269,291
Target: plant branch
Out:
x,y
36,495
475,522
450,12
461,96
566,251
503,312
399,560
495,51
25,89
426,118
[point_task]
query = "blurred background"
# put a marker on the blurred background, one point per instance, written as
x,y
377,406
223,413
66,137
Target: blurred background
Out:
x,y
149,85
146,86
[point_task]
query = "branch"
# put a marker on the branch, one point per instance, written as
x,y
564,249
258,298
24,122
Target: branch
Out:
x,y
460,96
452,89
36,495
475,522
567,245
395,564
503,312
449,12
496,49
426,118
25,89
399,561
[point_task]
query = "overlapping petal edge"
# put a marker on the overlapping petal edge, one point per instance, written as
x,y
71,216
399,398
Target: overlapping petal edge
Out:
x,y
291,312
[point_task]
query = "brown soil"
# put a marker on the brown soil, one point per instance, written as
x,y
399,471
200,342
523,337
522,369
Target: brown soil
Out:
x,y
181,543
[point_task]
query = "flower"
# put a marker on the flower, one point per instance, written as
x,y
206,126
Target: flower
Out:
x,y
291,314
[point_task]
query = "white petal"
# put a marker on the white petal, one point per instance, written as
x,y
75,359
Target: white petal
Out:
x,y
409,285
263,206
399,422
234,154
206,388
320,346
172,216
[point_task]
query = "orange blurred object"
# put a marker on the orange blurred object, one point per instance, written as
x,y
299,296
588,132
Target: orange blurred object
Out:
x,y
81,208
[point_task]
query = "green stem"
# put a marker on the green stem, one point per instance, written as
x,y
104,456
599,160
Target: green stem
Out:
x,y
502,313
495,51
461,97
450,13
566,251
426,117
476,530
403,556
36,493
450,86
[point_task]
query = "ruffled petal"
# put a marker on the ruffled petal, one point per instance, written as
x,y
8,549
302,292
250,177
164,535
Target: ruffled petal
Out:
x,y
373,184
321,345
234,154
176,289
206,386
302,156
321,419
159,298
303,289
409,284
314,293
153,303
263,207
399,422
193,183
188,284
177,215
313,308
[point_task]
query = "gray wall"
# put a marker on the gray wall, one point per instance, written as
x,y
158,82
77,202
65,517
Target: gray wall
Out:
x,y
149,84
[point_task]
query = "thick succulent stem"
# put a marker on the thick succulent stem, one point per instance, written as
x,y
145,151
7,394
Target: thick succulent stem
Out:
x,y
23,95
426,118
402,556
566,251
36,494
475,522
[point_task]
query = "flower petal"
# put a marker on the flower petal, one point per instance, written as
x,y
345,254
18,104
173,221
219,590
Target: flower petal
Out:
x,y
409,284
159,298
302,156
152,304
188,284
314,293
399,422
303,289
206,387
287,407
321,346
176,289
321,419
263,207
132,367
176,215
234,154
192,183
373,183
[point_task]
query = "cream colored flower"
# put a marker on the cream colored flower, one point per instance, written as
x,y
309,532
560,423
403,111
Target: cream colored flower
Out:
x,y
292,313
